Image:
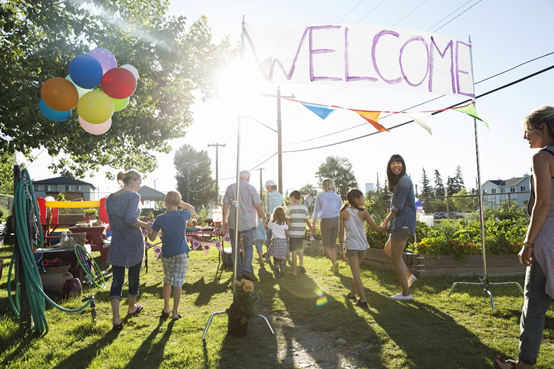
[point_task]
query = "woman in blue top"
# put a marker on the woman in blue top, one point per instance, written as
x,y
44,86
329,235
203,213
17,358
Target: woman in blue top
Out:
x,y
402,217
127,246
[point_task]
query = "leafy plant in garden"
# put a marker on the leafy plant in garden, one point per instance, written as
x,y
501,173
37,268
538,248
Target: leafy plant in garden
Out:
x,y
245,301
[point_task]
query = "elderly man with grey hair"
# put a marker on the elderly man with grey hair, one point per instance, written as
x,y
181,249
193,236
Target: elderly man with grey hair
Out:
x,y
250,208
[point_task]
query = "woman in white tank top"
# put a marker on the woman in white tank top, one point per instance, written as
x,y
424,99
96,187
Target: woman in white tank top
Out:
x,y
353,239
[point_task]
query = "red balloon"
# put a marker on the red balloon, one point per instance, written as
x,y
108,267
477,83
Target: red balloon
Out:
x,y
118,83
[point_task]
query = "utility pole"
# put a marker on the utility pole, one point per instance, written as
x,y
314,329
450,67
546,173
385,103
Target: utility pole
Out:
x,y
261,183
217,145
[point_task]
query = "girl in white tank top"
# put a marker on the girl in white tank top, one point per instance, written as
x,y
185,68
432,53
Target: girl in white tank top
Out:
x,y
353,240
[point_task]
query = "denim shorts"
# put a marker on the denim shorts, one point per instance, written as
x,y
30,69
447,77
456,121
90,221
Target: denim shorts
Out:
x,y
360,254
401,234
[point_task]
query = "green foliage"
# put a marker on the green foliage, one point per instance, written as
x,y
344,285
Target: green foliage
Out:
x,y
7,161
309,189
91,212
61,197
175,64
4,214
194,176
439,186
426,190
245,301
339,169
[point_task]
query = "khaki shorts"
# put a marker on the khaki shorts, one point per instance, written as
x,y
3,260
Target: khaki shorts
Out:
x,y
360,254
401,234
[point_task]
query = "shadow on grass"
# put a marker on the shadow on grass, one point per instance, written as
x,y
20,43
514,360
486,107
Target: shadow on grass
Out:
x,y
206,290
24,345
150,355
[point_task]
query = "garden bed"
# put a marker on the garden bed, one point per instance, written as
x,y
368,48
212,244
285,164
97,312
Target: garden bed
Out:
x,y
420,265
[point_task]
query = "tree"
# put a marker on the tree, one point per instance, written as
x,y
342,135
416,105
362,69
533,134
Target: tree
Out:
x,y
426,190
459,178
66,173
455,184
194,178
439,186
7,162
40,38
309,189
339,169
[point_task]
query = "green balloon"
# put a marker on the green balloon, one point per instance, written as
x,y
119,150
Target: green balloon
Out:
x,y
120,104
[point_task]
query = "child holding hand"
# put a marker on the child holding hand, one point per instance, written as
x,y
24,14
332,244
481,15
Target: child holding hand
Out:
x,y
278,247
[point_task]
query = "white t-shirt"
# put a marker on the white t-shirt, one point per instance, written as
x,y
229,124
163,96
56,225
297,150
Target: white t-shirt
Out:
x,y
278,231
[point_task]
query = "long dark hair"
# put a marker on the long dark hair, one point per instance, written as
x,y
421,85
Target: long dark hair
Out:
x,y
392,178
351,195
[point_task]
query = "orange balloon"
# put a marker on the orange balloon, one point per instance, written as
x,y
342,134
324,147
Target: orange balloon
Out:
x,y
59,94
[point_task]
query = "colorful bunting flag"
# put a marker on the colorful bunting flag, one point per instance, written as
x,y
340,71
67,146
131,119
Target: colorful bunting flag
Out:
x,y
321,111
372,117
157,251
423,119
470,110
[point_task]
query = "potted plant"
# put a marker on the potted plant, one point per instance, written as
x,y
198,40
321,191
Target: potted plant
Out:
x,y
243,308
53,273
90,214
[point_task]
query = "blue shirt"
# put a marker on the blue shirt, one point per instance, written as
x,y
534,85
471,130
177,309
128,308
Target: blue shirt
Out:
x,y
173,225
327,205
403,204
260,231
274,199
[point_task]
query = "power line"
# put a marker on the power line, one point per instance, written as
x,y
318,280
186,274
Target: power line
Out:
x,y
448,15
355,6
371,11
457,16
437,112
416,8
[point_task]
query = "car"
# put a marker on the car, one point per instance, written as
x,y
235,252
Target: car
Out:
x,y
440,215
454,215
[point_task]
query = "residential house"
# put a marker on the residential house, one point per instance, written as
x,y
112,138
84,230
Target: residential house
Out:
x,y
309,201
73,189
513,190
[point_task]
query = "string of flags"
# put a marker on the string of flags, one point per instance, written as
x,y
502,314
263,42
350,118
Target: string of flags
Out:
x,y
422,118
206,246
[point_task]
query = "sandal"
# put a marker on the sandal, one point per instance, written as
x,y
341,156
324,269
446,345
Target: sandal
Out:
x,y
499,360
118,327
164,315
302,269
137,311
349,296
179,316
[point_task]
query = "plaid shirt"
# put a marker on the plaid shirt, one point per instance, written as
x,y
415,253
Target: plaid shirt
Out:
x,y
248,200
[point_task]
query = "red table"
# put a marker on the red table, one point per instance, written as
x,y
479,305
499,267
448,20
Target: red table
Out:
x,y
95,236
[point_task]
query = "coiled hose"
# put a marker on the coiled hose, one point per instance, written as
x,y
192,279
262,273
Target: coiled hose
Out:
x,y
24,200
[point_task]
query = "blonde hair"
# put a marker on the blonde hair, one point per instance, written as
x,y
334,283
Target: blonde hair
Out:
x,y
328,184
124,178
279,215
541,115
173,198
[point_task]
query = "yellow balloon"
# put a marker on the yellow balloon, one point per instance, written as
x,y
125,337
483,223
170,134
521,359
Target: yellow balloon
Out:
x,y
95,107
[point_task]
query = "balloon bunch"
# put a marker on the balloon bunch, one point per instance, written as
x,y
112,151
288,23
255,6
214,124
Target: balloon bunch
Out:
x,y
95,85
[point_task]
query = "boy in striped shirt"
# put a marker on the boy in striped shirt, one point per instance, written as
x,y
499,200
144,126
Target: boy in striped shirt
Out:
x,y
297,219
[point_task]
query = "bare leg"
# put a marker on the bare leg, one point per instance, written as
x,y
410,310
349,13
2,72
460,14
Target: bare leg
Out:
x,y
331,254
115,311
387,250
167,295
132,302
301,257
357,285
176,299
397,248
293,262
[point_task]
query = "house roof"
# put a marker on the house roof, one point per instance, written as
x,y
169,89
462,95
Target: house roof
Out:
x,y
150,194
62,181
507,182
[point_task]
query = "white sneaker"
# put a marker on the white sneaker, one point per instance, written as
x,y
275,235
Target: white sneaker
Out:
x,y
401,297
412,280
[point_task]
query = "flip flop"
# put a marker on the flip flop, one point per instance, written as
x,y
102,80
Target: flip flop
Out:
x,y
293,274
302,269
118,327
164,315
179,316
511,363
137,311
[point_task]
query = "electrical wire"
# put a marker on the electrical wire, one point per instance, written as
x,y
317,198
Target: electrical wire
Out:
x,y
428,29
406,16
457,16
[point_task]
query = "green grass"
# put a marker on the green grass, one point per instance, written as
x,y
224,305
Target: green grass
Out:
x,y
435,331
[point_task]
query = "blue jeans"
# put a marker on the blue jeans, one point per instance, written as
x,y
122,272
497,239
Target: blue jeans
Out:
x,y
533,314
119,278
247,243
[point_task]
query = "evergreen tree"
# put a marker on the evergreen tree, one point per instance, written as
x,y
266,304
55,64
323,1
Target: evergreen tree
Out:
x,y
426,189
439,186
455,184
459,178
194,176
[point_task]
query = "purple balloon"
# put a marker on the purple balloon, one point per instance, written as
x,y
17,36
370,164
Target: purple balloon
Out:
x,y
105,57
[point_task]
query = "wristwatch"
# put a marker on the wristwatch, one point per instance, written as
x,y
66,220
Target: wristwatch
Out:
x,y
527,245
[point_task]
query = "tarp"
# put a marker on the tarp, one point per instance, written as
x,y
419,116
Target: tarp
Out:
x,y
149,194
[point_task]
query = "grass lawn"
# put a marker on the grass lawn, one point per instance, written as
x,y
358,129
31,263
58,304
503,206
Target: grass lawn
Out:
x,y
434,331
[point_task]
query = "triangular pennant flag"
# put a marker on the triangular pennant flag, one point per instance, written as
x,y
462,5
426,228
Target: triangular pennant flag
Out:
x,y
423,119
227,238
470,110
373,118
157,251
195,244
321,111
207,248
218,245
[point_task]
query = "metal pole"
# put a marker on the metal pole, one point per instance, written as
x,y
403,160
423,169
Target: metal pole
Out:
x,y
279,140
261,184
216,145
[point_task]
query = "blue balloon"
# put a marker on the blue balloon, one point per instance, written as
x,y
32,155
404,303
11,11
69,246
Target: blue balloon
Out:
x,y
56,116
85,71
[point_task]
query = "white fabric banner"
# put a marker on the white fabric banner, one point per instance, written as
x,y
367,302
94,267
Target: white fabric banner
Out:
x,y
360,55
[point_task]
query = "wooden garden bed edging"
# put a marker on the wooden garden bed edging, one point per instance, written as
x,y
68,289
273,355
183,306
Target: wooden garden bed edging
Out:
x,y
420,265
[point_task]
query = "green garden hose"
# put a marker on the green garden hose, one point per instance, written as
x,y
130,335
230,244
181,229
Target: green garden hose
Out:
x,y
24,200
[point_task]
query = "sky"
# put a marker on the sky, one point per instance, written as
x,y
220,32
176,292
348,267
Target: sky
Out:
x,y
504,34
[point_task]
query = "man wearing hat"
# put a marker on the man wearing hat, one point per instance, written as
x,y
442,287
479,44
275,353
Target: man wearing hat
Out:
x,y
273,200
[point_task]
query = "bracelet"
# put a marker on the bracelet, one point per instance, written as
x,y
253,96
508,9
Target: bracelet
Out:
x,y
527,245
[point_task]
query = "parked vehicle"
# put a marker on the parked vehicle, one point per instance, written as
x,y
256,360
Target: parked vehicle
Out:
x,y
454,215
440,215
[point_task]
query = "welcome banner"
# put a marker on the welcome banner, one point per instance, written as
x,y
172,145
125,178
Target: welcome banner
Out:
x,y
360,55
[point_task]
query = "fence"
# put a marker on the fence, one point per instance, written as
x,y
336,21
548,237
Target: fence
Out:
x,y
6,201
470,203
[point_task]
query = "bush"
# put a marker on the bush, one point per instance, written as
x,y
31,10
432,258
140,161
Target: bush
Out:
x,y
4,214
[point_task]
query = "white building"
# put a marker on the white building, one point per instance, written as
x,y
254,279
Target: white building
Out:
x,y
74,189
514,190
